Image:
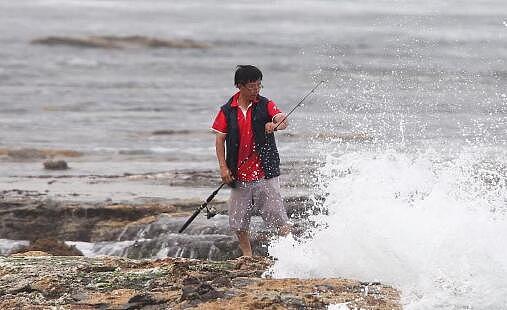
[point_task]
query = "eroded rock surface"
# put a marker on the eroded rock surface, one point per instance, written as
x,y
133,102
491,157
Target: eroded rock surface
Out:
x,y
30,219
142,230
42,282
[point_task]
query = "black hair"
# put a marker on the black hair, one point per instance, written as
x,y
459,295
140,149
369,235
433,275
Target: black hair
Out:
x,y
247,73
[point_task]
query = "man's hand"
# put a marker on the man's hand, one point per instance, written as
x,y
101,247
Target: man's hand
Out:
x,y
279,122
226,175
270,127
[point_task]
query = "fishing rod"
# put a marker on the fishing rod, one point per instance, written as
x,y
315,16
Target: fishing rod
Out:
x,y
204,205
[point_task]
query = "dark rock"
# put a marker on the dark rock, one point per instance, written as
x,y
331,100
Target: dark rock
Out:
x,y
30,218
369,283
25,154
204,288
119,42
188,292
142,300
56,165
230,293
30,153
203,292
79,296
293,301
207,292
134,152
190,281
170,132
50,246
324,288
221,282
97,268
243,281
22,286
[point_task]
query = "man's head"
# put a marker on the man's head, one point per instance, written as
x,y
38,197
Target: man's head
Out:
x,y
248,79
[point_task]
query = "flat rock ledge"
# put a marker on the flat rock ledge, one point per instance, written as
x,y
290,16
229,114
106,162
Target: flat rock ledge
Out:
x,y
63,282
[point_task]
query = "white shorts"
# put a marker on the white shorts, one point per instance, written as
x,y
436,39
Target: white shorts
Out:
x,y
262,196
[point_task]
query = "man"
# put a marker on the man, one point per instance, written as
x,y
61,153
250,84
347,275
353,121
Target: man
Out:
x,y
248,157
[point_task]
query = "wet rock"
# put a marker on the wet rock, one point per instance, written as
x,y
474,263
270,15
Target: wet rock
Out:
x,y
243,281
135,152
202,292
49,286
267,300
97,268
30,253
50,246
21,286
118,42
146,229
134,231
27,218
221,282
170,132
324,288
31,153
188,292
25,154
293,301
79,296
207,292
190,281
56,165
252,263
203,246
141,300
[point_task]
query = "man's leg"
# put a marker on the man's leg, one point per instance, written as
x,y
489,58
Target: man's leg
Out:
x,y
244,242
240,204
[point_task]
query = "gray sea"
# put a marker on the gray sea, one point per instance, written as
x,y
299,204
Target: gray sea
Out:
x,y
412,118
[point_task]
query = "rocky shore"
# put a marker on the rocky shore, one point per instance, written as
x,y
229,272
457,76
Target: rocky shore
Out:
x,y
143,229
36,281
134,257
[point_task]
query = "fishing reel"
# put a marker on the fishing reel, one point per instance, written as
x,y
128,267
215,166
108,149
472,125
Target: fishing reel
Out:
x,y
211,212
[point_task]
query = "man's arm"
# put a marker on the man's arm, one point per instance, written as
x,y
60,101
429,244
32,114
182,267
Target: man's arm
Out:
x,y
225,173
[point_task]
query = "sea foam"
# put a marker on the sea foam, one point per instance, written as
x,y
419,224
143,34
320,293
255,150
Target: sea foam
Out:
x,y
434,228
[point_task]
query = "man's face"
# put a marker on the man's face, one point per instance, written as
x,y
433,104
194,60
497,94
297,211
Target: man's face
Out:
x,y
250,90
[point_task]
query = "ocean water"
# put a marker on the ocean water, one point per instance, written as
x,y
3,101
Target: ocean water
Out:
x,y
435,68
408,132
